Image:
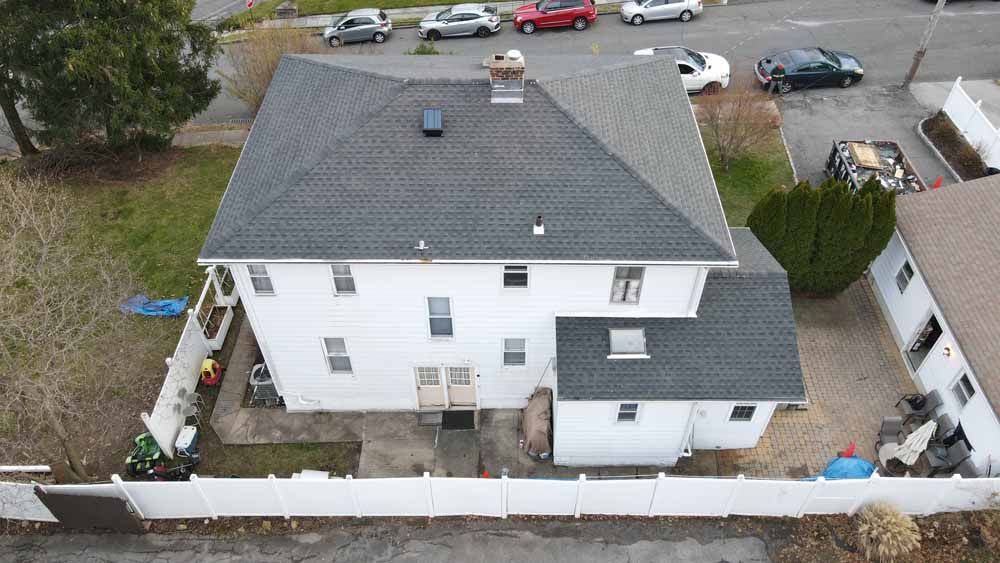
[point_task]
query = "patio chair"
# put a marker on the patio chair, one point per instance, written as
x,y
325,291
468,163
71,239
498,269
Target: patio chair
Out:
x,y
945,429
925,411
890,435
950,460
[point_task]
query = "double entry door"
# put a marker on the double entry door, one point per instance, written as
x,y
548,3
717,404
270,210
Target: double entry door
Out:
x,y
445,387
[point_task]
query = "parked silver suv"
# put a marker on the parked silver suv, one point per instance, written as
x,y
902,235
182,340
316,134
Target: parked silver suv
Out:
x,y
463,19
366,24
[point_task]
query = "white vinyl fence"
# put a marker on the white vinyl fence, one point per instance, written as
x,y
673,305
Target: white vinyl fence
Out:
x,y
448,496
977,129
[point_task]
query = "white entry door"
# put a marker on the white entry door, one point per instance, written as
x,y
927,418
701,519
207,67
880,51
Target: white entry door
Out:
x,y
430,391
461,386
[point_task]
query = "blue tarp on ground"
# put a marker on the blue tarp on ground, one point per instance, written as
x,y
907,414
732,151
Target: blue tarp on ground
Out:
x,y
852,467
162,308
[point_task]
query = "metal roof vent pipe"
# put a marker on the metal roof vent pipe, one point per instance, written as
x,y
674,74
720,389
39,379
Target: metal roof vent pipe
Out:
x,y
539,226
506,77
433,122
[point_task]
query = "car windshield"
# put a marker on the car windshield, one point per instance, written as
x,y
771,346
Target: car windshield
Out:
x,y
338,21
444,15
695,59
829,56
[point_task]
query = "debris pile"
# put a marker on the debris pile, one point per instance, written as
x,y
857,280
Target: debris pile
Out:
x,y
858,161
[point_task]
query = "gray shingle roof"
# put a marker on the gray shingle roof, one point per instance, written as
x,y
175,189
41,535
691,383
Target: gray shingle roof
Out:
x,y
742,345
336,167
954,236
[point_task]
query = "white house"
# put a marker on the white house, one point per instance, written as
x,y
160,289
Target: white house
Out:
x,y
936,283
557,226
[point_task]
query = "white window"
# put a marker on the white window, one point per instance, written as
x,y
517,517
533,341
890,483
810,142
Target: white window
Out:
x,y
515,277
514,351
260,279
963,389
439,312
627,283
627,343
903,276
343,280
628,412
337,358
428,377
459,376
742,413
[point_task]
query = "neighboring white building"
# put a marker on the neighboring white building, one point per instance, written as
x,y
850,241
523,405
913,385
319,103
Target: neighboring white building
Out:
x,y
383,267
936,283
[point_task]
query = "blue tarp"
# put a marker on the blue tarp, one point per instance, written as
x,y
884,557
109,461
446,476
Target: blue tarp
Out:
x,y
852,467
162,308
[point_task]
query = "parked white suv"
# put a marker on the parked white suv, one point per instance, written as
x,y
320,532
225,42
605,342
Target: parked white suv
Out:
x,y
700,72
638,11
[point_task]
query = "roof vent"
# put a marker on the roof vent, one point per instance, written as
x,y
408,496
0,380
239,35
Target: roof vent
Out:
x,y
421,246
539,226
506,77
433,122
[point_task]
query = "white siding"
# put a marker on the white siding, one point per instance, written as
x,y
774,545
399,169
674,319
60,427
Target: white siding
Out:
x,y
714,431
906,312
385,325
588,433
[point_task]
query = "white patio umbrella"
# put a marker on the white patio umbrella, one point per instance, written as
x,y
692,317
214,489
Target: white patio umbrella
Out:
x,y
915,443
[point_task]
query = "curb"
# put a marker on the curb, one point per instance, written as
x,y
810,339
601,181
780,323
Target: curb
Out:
x,y
788,153
937,153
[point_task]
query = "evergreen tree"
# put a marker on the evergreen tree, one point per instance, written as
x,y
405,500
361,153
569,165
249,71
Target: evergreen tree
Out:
x,y
767,219
800,231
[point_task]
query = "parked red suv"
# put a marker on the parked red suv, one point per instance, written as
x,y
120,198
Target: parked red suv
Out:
x,y
555,13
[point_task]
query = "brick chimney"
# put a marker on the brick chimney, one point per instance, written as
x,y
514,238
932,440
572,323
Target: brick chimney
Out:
x,y
507,77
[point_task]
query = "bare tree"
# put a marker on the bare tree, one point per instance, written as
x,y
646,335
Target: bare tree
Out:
x,y
255,60
63,339
736,120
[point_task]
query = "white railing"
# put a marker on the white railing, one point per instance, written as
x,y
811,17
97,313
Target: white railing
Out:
x,y
449,496
968,117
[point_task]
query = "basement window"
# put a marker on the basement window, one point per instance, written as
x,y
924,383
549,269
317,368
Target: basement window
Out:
x,y
627,343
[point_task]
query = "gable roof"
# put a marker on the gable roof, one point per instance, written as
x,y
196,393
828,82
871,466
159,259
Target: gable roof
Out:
x,y
336,166
742,345
953,235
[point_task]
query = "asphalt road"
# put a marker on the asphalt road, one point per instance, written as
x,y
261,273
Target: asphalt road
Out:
x,y
217,9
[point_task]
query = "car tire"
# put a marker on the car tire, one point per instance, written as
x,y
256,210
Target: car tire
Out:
x,y
686,16
483,32
528,27
379,37
786,87
335,42
580,24
846,81
434,35
711,88
638,19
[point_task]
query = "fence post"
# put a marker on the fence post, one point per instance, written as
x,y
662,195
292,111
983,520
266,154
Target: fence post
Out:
x,y
660,477
429,493
277,493
946,490
817,485
579,495
732,495
204,498
128,496
354,496
860,501
504,488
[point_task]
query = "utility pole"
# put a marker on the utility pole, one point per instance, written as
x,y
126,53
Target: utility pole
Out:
x,y
924,42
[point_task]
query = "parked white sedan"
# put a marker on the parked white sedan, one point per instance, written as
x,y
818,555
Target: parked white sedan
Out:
x,y
701,72
637,12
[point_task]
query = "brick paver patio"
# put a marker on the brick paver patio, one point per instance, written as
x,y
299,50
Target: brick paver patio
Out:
x,y
853,376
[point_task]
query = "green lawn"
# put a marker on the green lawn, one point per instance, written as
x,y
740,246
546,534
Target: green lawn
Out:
x,y
750,177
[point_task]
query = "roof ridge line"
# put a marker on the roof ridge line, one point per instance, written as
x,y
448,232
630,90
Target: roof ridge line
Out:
x,y
638,61
306,58
630,170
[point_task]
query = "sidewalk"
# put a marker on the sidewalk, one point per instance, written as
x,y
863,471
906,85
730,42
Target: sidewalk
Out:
x,y
932,95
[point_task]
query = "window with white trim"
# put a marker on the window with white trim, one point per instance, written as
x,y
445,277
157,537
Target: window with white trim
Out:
x,y
903,276
742,413
343,279
514,351
337,358
439,314
515,277
963,389
460,376
628,412
627,283
428,376
260,279
627,342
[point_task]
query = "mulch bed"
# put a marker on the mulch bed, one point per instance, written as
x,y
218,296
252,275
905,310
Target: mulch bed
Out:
x,y
962,157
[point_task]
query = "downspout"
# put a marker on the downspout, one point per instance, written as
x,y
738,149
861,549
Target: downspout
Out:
x,y
686,450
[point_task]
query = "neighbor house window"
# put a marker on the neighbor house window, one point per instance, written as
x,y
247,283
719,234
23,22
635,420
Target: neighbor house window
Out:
x,y
439,311
627,283
742,413
963,389
260,279
628,412
515,277
514,351
337,358
903,276
343,279
627,342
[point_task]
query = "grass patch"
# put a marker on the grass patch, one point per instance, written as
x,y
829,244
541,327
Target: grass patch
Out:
x,y
750,177
280,460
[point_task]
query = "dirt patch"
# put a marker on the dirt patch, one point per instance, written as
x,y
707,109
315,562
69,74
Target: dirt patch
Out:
x,y
947,139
